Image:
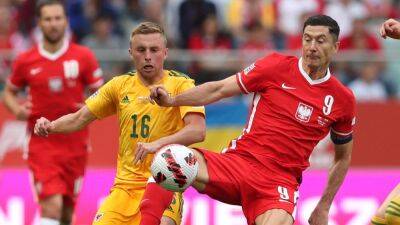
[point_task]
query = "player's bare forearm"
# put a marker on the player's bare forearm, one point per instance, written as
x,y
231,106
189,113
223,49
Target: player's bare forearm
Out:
x,y
337,174
10,100
72,122
193,132
208,93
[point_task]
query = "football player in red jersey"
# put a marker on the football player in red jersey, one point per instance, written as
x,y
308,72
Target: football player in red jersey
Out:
x,y
296,103
389,212
56,73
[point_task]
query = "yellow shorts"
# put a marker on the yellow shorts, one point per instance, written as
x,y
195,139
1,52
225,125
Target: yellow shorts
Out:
x,y
122,207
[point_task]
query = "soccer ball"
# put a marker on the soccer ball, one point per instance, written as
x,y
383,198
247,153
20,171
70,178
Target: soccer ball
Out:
x,y
174,167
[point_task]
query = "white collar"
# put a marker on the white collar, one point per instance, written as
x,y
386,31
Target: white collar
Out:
x,y
54,56
308,78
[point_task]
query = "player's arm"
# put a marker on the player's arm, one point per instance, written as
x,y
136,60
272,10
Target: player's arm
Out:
x,y
200,95
10,99
337,174
65,124
194,131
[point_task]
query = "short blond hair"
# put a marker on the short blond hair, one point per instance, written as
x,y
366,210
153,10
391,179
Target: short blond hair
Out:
x,y
149,28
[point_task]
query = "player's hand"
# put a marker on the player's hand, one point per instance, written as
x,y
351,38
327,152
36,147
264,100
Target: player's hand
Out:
x,y
24,111
319,217
390,28
143,149
160,95
42,127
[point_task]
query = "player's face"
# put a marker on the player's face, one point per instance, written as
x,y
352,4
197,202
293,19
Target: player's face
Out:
x,y
53,22
318,46
148,52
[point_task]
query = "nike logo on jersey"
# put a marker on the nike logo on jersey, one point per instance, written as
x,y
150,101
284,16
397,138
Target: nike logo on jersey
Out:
x,y
35,71
287,87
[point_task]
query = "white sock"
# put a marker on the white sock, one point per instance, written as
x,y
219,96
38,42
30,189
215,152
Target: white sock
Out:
x,y
48,221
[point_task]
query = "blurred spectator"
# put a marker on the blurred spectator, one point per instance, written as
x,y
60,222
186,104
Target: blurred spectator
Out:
x,y
172,21
25,15
192,13
381,9
360,38
154,11
344,12
291,13
79,23
243,13
209,37
131,16
102,39
257,38
371,85
12,41
96,8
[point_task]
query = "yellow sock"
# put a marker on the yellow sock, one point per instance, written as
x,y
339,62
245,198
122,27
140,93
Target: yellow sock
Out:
x,y
378,221
392,213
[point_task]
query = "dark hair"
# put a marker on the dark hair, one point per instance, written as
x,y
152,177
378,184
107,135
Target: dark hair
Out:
x,y
323,20
41,3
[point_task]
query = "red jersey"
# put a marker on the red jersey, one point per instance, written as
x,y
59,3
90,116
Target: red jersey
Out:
x,y
291,112
56,81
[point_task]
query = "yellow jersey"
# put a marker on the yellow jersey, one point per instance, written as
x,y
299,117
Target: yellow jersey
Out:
x,y
139,120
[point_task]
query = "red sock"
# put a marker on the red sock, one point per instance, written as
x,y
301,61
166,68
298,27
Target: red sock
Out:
x,y
154,202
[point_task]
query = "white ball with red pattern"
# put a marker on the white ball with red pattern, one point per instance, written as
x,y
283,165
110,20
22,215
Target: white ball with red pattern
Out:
x,y
174,167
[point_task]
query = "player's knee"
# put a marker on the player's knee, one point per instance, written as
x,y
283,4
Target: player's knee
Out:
x,y
202,174
145,205
51,207
392,213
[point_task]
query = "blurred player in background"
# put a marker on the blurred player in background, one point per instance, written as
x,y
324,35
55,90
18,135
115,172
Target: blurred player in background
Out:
x,y
56,74
144,128
296,103
389,212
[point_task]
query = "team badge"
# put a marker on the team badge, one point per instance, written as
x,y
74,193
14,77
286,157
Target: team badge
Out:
x,y
304,112
55,84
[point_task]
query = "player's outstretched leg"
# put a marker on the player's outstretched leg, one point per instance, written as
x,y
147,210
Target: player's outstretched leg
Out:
x,y
156,199
154,202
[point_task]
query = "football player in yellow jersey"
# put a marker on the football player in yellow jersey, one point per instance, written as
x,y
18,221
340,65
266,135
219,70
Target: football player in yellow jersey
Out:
x,y
389,212
144,127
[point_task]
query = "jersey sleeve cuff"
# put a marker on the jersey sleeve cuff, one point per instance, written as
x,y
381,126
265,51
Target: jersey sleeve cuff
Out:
x,y
88,105
341,133
240,83
12,86
194,109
